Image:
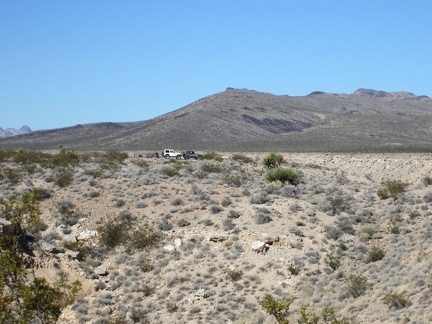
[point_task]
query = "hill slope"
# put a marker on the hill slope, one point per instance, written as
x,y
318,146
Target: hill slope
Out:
x,y
239,119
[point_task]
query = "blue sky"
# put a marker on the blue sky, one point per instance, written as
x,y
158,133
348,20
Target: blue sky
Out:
x,y
64,63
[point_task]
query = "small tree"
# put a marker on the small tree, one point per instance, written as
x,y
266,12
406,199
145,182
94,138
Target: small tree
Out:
x,y
25,298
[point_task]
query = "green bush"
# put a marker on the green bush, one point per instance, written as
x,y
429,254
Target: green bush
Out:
x,y
170,171
241,158
391,188
356,285
211,168
144,237
272,160
234,275
375,254
63,178
211,156
112,233
277,308
282,174
395,300
25,298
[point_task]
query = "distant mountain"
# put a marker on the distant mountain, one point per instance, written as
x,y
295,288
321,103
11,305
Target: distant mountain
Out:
x,y
248,120
13,131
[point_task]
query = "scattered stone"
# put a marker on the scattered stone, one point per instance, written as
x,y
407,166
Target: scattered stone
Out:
x,y
217,237
101,271
178,242
169,248
259,246
85,235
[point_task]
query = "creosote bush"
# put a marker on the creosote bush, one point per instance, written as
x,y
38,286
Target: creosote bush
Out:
x,y
395,300
391,189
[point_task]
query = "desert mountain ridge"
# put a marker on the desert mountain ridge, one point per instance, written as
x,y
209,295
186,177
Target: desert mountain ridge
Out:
x,y
13,131
249,120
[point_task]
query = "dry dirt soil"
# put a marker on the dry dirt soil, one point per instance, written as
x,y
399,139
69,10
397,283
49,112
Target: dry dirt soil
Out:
x,y
229,237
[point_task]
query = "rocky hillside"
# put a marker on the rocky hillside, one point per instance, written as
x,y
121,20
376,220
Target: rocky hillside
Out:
x,y
245,120
204,241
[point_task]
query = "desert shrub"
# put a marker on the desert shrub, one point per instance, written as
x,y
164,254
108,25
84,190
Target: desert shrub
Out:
x,y
427,180
233,214
262,218
207,222
272,160
356,285
241,158
234,275
332,232
177,201
66,211
211,156
65,158
164,225
114,156
391,188
63,178
146,266
93,194
12,175
226,201
119,203
211,168
140,162
215,209
282,174
170,171
338,205
345,225
366,233
26,298
333,259
227,224
235,178
395,300
277,308
375,254
260,198
112,232
183,222
144,237
294,269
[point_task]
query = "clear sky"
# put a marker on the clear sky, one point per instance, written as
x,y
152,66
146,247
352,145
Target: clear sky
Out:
x,y
64,63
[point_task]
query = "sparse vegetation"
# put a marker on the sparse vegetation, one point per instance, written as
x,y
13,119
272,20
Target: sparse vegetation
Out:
x,y
328,233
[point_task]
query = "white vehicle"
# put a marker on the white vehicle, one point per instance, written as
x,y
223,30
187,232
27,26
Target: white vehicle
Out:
x,y
169,153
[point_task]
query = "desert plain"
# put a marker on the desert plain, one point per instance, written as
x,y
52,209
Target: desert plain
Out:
x,y
227,237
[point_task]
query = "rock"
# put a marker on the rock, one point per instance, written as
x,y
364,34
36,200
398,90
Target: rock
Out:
x,y
178,242
101,271
85,235
259,246
217,237
169,248
200,294
72,254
